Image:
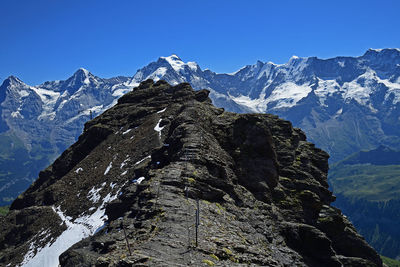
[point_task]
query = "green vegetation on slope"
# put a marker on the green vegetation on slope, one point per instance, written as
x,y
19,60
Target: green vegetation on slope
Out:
x,y
390,262
4,210
366,181
367,186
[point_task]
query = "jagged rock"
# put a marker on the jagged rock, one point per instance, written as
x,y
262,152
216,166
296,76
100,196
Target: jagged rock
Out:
x,y
133,182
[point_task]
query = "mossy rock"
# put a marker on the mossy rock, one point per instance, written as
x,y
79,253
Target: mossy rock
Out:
x,y
208,262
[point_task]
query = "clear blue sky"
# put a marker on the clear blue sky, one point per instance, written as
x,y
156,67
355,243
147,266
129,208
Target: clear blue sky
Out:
x,y
50,39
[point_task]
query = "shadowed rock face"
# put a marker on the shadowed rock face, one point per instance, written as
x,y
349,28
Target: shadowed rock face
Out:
x,y
141,166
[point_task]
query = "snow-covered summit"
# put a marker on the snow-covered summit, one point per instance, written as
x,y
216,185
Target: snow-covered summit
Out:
x,y
382,54
170,68
13,81
178,65
378,50
81,77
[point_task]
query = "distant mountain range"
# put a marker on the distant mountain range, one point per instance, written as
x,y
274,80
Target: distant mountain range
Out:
x,y
344,104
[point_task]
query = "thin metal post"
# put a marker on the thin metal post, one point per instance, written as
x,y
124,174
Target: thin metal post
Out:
x,y
126,239
197,220
187,213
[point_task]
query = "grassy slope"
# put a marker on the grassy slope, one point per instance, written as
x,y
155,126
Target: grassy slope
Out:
x,y
390,262
368,175
368,188
3,210
366,181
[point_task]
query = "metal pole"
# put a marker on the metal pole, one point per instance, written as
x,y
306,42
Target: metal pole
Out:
x,y
187,213
197,220
126,239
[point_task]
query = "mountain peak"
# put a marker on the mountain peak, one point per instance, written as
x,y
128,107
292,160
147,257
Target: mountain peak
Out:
x,y
82,77
174,61
378,50
82,72
12,81
85,71
177,64
173,57
382,51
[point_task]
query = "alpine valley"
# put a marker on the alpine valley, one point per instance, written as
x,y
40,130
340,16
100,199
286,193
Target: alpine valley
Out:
x,y
343,104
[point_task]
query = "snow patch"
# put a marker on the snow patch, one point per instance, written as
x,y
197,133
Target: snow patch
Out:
x,y
140,161
288,94
124,163
17,114
175,62
256,105
23,93
108,168
192,65
139,180
161,111
49,99
78,229
283,96
127,131
158,129
94,195
326,88
156,75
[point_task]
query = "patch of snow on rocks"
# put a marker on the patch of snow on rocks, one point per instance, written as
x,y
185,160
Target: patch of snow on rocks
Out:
x,y
78,229
127,131
158,129
161,111
94,195
123,164
140,161
108,168
139,180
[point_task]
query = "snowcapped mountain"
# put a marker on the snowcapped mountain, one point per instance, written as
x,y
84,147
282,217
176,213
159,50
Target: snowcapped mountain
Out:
x,y
173,70
39,122
344,104
58,106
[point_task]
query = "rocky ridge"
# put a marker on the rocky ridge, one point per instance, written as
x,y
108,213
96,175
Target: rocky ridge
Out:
x,y
137,172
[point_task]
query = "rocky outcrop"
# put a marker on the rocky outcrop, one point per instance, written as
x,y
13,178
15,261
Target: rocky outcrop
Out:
x,y
129,191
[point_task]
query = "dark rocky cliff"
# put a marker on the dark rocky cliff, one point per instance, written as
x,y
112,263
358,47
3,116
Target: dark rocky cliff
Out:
x,y
138,170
